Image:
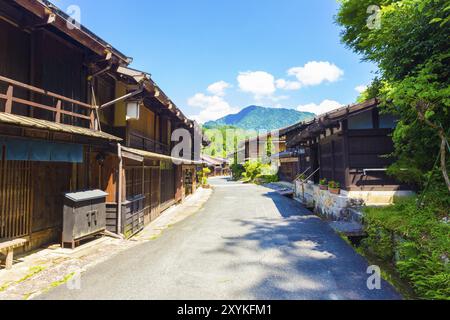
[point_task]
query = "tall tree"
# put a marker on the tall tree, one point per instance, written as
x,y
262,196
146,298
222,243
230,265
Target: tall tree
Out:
x,y
409,41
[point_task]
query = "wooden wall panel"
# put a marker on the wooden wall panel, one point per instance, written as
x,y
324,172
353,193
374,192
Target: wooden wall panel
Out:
x,y
179,193
50,182
106,92
58,67
16,194
109,177
167,184
288,171
155,192
368,149
145,124
332,159
14,62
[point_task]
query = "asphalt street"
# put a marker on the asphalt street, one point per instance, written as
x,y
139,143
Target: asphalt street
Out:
x,y
247,242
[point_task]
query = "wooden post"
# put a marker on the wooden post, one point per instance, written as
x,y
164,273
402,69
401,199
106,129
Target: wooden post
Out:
x,y
9,259
58,112
346,155
93,126
9,99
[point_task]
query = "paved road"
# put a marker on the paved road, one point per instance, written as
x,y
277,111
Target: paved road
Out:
x,y
246,243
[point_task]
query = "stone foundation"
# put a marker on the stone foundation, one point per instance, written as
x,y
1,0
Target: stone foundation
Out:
x,y
341,207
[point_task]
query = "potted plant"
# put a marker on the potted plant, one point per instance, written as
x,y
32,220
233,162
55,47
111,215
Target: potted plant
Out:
x,y
323,184
334,187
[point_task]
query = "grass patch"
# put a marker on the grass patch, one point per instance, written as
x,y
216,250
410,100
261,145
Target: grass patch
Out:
x,y
5,286
32,272
27,296
411,245
62,281
388,272
155,237
414,241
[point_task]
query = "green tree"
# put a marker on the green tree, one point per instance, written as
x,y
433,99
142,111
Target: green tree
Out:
x,y
409,41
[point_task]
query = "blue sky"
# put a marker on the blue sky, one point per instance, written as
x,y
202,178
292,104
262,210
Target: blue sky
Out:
x,y
280,53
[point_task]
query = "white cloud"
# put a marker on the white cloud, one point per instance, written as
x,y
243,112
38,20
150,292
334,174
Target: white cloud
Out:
x,y
288,85
213,107
316,72
324,107
218,88
259,83
361,88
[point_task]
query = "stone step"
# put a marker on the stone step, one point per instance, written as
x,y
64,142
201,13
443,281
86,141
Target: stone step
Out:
x,y
350,229
355,215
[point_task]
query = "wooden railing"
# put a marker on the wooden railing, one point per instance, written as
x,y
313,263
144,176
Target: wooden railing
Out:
x,y
139,141
57,109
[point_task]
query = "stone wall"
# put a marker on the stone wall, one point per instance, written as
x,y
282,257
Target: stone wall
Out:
x,y
341,207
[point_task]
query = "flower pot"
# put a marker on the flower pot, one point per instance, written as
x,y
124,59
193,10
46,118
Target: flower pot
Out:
x,y
335,191
323,188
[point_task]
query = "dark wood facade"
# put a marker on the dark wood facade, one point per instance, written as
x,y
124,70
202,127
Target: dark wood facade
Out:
x,y
44,77
53,80
352,146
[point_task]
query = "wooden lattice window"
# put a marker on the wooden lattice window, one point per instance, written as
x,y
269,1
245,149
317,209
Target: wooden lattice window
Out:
x,y
134,185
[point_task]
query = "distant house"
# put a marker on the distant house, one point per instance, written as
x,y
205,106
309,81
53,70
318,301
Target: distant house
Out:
x,y
218,166
288,160
260,148
271,147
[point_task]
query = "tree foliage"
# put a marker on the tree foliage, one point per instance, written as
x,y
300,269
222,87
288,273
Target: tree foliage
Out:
x,y
410,45
411,49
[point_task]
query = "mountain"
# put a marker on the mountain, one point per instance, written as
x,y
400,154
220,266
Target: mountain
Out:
x,y
260,118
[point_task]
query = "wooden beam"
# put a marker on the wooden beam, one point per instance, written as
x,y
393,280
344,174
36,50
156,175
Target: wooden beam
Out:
x,y
9,259
9,99
89,41
58,112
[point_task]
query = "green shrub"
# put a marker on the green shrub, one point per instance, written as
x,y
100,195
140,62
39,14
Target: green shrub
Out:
x,y
416,241
268,178
334,185
255,170
237,170
252,170
203,176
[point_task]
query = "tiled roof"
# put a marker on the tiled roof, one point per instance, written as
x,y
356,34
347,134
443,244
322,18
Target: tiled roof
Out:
x,y
23,121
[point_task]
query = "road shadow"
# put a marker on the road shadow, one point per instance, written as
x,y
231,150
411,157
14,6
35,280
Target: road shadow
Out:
x,y
296,256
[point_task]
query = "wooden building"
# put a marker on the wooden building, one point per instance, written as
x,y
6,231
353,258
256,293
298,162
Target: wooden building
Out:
x,y
65,127
352,146
289,167
271,147
218,166
50,142
152,178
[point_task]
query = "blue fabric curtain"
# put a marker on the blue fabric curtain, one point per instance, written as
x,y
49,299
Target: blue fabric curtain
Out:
x,y
35,150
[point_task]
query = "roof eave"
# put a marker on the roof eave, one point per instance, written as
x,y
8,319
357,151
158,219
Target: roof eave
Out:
x,y
43,9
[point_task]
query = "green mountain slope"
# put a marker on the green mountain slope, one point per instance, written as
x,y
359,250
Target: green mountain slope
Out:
x,y
238,127
260,118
